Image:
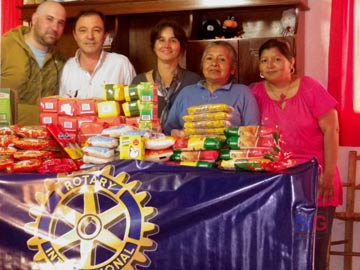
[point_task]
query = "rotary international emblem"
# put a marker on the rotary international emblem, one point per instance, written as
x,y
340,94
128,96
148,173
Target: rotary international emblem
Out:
x,y
92,221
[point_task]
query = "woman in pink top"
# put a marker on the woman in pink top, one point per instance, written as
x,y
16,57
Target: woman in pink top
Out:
x,y
305,114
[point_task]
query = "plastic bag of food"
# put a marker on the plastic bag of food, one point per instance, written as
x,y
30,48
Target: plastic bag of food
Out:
x,y
199,155
206,108
197,143
209,124
207,117
250,131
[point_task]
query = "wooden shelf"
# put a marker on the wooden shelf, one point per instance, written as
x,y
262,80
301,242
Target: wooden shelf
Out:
x,y
118,7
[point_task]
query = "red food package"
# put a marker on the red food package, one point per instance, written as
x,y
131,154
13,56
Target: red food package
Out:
x,y
32,154
5,161
8,151
48,118
31,144
89,129
65,141
29,165
36,132
86,106
58,165
7,131
6,140
49,104
112,121
67,106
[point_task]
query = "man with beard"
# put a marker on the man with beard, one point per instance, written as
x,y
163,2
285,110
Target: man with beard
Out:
x,y
30,62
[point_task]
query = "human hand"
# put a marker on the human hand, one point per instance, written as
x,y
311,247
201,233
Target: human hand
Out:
x,y
326,188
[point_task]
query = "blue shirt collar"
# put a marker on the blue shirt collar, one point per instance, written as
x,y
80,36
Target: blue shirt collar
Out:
x,y
226,87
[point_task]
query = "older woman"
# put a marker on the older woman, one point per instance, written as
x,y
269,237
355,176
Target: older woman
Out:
x,y
305,113
218,64
168,41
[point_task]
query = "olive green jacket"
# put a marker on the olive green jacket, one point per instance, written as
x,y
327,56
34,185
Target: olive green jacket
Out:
x,y
21,72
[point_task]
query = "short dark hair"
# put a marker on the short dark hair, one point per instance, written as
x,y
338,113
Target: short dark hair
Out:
x,y
90,12
227,46
179,32
282,46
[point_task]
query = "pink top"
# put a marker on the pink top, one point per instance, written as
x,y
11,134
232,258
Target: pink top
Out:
x,y
298,123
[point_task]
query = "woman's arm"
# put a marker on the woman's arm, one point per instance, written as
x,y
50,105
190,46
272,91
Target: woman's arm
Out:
x,y
329,125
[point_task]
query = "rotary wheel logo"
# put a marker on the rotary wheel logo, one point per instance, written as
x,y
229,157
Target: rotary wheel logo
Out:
x,y
92,221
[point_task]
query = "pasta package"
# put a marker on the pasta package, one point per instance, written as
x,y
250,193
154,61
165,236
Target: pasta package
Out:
x,y
236,142
197,143
28,165
201,164
258,152
36,132
244,164
250,131
207,117
207,124
200,155
204,131
205,108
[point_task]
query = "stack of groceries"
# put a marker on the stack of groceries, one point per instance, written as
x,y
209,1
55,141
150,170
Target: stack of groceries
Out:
x,y
210,142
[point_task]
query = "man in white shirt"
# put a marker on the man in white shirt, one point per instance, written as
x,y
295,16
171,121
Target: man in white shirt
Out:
x,y
84,74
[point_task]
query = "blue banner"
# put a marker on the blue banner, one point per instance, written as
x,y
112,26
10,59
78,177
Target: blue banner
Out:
x,y
143,215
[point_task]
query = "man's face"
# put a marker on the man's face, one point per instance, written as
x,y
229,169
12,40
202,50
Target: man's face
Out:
x,y
89,34
48,25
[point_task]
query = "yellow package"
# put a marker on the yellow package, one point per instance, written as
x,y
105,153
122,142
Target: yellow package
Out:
x,y
108,109
132,147
113,92
205,108
207,124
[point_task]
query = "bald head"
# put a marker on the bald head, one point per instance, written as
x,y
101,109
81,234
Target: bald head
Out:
x,y
48,24
48,5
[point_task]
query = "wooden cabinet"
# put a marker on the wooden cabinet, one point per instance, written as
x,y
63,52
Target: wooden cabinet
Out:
x,y
130,23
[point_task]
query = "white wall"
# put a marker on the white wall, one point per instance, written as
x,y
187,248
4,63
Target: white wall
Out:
x,y
317,26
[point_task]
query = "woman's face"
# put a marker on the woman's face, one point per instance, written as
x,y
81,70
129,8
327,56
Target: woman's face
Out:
x,y
167,46
275,66
217,65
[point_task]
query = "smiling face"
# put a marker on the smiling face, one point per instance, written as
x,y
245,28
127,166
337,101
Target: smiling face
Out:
x,y
48,24
167,47
89,34
275,67
217,65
